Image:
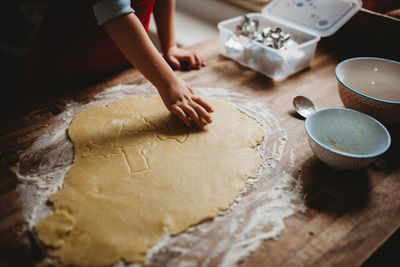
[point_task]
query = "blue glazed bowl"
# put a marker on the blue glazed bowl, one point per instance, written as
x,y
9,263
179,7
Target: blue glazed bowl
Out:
x,y
346,139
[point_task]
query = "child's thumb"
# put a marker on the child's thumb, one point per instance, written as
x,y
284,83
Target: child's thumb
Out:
x,y
174,62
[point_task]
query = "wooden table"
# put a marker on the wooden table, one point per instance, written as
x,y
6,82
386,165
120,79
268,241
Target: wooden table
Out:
x,y
350,214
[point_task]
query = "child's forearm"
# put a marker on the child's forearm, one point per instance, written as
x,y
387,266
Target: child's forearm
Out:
x,y
130,37
164,16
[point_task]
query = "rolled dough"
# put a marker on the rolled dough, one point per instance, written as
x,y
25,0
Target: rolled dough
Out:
x,y
137,172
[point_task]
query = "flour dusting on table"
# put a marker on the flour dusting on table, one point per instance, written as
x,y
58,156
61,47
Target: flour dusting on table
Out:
x,y
256,214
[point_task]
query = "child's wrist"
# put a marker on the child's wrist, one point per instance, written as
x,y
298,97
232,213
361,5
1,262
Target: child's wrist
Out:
x,y
169,47
169,85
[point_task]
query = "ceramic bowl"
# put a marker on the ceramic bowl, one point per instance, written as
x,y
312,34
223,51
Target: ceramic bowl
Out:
x,y
346,139
372,86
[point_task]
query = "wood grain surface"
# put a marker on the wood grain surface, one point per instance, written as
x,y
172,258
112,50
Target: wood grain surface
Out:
x,y
350,214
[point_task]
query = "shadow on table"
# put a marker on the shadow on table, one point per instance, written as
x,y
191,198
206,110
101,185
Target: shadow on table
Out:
x,y
294,114
337,192
334,192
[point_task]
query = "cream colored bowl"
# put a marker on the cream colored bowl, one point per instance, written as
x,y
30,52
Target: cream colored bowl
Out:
x,y
372,86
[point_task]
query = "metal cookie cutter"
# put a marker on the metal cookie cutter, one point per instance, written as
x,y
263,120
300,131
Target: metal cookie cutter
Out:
x,y
275,38
247,27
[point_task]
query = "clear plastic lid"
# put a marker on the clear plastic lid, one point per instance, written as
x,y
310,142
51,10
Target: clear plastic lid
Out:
x,y
322,17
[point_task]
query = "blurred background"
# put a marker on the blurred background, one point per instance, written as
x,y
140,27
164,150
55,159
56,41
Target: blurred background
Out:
x,y
195,21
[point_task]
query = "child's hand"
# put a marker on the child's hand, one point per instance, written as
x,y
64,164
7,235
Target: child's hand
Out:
x,y
178,56
182,102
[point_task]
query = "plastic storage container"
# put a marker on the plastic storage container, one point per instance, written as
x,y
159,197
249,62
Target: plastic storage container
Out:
x,y
304,20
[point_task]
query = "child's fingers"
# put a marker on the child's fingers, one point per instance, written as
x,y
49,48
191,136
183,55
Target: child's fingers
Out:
x,y
203,103
199,61
174,62
193,115
181,115
201,111
192,62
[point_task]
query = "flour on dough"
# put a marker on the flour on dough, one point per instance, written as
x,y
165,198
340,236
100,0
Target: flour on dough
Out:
x,y
138,171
